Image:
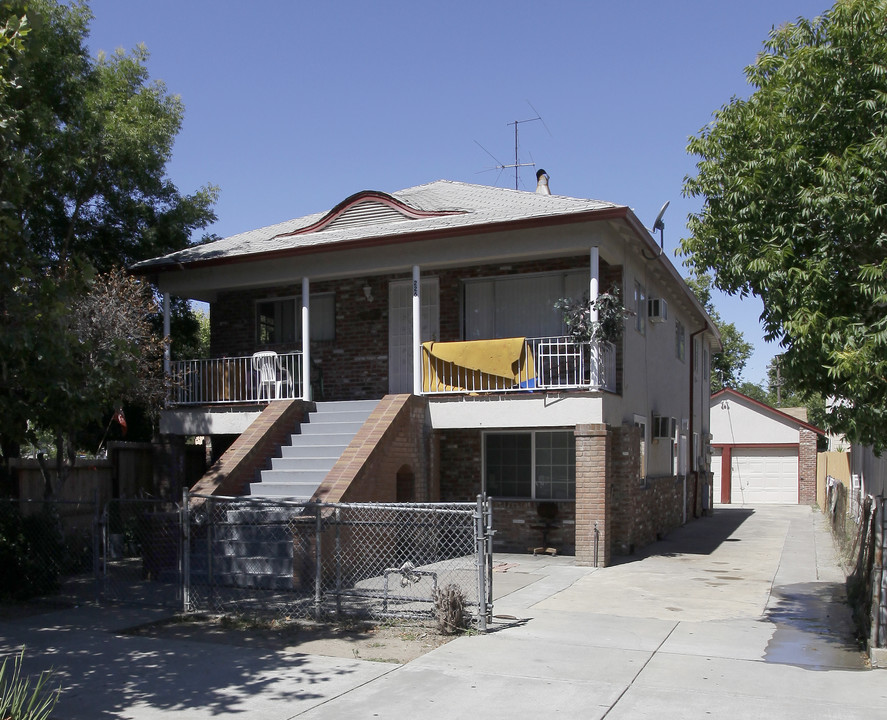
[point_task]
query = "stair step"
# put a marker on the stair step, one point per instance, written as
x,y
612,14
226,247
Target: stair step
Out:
x,y
313,451
298,475
304,462
366,406
334,427
280,566
260,516
247,548
337,416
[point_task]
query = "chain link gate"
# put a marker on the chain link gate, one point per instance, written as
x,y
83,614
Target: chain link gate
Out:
x,y
140,553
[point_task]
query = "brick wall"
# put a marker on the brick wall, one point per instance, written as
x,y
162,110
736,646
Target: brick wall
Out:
x,y
807,467
392,448
643,511
516,522
460,467
610,496
519,527
355,364
593,495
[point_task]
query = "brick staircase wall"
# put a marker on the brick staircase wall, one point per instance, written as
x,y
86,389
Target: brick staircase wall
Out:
x,y
393,437
232,473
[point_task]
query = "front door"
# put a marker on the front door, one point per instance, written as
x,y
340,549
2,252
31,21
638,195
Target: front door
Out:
x,y
400,329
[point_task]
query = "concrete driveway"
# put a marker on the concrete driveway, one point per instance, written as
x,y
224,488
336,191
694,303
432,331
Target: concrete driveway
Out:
x,y
737,615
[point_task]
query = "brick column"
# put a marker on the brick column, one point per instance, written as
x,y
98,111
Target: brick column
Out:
x,y
807,467
592,494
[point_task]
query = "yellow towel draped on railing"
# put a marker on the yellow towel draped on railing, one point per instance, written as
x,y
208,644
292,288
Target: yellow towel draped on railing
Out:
x,y
476,365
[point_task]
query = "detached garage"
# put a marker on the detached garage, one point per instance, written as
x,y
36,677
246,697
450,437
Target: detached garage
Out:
x,y
761,454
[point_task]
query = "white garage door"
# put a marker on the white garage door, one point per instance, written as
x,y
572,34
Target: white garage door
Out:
x,y
759,476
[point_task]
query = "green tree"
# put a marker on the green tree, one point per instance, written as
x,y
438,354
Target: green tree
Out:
x,y
727,365
794,188
83,188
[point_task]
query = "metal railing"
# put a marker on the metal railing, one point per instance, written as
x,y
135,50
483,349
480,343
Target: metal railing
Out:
x,y
234,380
547,363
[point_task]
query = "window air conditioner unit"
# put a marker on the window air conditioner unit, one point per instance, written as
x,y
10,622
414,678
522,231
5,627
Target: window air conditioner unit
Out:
x,y
657,310
663,427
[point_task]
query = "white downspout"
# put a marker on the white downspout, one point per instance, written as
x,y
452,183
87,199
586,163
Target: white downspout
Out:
x,y
166,333
417,331
306,339
593,292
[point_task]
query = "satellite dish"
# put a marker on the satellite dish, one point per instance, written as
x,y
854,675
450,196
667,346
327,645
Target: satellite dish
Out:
x,y
659,224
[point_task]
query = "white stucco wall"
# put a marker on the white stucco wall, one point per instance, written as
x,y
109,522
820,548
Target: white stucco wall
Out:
x,y
735,421
655,381
515,411
199,421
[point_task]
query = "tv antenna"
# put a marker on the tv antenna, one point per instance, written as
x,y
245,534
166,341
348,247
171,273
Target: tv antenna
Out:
x,y
517,164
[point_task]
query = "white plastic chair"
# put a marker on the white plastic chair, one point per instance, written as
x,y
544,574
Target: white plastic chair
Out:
x,y
267,366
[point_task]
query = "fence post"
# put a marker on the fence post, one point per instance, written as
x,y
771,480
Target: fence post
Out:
x,y
338,516
318,567
210,576
185,557
97,534
879,579
490,532
481,545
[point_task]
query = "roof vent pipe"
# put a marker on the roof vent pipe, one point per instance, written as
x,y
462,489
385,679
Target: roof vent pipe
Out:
x,y
542,183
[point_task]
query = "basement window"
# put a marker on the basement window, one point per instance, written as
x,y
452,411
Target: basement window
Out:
x,y
534,464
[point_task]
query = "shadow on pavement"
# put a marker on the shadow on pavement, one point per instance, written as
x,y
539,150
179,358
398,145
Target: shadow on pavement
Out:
x,y
103,673
702,536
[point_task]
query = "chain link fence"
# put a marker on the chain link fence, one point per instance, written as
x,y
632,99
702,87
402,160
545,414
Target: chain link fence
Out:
x,y
246,556
317,560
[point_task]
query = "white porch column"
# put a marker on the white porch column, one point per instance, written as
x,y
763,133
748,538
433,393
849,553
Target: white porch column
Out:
x,y
593,291
594,281
306,339
417,331
166,331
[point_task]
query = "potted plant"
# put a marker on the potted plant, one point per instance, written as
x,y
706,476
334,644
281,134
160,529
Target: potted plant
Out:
x,y
587,333
610,315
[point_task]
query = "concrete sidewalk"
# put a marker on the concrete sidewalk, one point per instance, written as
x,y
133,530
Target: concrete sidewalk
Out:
x,y
737,615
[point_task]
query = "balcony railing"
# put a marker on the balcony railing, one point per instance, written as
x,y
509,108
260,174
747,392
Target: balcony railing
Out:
x,y
547,363
236,379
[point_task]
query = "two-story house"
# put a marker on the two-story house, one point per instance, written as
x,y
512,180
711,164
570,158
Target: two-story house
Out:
x,y
435,308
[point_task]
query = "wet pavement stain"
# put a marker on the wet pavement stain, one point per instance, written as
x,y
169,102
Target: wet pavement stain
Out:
x,y
812,628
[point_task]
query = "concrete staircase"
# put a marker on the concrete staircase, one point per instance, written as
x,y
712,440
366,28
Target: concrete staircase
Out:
x,y
248,547
313,450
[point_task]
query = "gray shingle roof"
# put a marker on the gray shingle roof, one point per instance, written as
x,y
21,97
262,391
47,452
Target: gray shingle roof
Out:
x,y
463,204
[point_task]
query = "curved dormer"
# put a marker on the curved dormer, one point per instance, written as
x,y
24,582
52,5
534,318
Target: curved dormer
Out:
x,y
368,207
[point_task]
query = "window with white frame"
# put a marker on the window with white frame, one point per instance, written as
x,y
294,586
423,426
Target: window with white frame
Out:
x,y
279,320
680,341
538,464
640,306
640,422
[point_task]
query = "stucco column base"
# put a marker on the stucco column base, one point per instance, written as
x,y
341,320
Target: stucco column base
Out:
x,y
593,506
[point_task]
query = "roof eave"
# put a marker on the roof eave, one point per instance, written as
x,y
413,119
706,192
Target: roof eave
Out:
x,y
602,214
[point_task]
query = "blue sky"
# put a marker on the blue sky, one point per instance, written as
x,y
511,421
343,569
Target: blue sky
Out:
x,y
293,106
